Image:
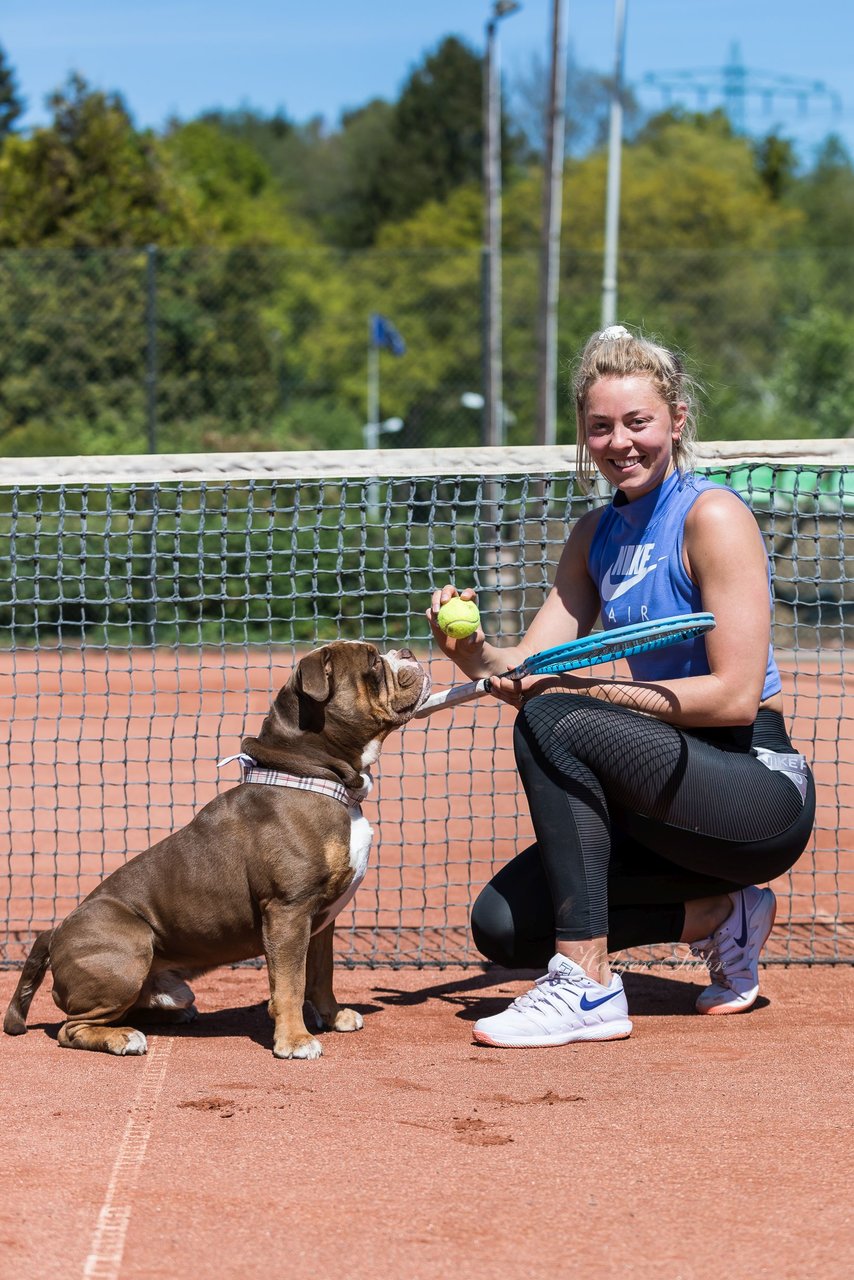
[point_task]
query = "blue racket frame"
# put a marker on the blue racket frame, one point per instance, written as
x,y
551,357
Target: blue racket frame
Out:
x,y
601,646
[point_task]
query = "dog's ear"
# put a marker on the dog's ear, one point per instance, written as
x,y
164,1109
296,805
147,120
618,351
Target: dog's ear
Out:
x,y
313,675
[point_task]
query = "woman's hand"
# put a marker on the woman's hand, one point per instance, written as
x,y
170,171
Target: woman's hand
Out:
x,y
466,653
517,691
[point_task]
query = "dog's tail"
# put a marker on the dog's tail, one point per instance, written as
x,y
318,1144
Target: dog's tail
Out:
x,y
32,976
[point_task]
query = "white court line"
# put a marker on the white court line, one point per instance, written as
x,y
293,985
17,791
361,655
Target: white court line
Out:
x,y
104,1259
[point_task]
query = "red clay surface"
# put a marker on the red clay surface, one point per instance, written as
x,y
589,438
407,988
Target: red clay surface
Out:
x,y
700,1147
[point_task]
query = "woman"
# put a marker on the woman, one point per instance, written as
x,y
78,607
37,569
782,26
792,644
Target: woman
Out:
x,y
658,802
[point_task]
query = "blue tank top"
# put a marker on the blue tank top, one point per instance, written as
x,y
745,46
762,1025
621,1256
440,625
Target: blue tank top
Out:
x,y
636,562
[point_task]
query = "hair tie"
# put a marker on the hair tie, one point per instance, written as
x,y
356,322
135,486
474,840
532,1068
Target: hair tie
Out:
x,y
612,333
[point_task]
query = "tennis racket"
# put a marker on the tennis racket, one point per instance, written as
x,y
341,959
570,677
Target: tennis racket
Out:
x,y
602,646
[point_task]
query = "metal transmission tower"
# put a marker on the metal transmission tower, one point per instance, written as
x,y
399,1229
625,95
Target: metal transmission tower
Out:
x,y
734,85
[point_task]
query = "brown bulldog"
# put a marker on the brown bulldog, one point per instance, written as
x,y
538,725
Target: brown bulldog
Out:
x,y
262,869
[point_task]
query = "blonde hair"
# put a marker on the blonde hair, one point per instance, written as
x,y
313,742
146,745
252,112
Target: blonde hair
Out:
x,y
616,353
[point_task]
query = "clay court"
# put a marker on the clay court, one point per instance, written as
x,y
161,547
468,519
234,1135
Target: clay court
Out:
x,y
405,1150
699,1144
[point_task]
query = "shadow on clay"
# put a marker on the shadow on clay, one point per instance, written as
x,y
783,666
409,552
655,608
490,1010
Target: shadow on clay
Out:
x,y
248,1022
649,994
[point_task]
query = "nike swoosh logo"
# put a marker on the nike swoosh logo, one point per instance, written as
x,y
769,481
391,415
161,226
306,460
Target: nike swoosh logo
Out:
x,y
609,590
742,937
594,1004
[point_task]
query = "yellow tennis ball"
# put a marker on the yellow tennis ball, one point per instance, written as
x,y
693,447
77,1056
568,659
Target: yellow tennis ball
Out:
x,y
459,618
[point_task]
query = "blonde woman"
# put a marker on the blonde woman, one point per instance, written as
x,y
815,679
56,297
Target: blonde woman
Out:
x,y
659,802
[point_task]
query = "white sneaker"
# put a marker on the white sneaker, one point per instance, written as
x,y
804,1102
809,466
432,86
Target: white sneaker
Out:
x,y
732,952
564,1005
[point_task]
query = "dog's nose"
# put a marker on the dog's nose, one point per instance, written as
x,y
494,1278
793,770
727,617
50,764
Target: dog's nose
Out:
x,y
405,653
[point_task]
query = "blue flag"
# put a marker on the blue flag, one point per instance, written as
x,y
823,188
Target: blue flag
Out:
x,y
384,334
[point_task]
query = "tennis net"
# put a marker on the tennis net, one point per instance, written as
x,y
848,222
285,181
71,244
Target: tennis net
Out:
x,y
151,606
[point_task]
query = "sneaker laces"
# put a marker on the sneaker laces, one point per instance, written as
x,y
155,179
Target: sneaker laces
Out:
x,y
544,991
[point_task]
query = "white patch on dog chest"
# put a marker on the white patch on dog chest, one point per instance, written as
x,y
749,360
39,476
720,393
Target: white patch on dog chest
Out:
x,y
361,835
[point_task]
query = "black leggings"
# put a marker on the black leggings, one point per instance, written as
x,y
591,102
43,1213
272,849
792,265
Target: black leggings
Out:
x,y
634,817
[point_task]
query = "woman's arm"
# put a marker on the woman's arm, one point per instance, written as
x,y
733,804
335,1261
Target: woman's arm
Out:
x,y
725,556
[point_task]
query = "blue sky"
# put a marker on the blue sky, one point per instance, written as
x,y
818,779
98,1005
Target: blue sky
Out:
x,y
179,57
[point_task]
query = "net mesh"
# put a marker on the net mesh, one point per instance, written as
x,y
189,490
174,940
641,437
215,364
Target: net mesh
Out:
x,y
150,608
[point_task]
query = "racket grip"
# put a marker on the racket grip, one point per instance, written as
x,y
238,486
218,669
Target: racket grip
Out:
x,y
452,697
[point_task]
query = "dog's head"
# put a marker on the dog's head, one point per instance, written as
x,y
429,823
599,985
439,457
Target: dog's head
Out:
x,y
340,704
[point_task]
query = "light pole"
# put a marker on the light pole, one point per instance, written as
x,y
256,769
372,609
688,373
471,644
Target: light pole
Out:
x,y
371,433
550,234
493,427
615,146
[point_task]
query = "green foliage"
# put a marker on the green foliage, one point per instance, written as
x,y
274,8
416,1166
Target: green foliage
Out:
x,y
776,164
386,161
89,180
319,423
814,375
328,178
437,131
246,327
11,106
72,330
234,192
825,195
348,187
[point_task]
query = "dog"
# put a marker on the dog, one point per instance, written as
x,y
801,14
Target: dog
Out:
x,y
262,869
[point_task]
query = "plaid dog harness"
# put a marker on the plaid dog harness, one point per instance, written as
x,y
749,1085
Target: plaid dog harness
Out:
x,y
253,772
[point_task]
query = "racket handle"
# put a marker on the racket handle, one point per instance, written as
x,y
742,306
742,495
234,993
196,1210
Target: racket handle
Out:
x,y
452,697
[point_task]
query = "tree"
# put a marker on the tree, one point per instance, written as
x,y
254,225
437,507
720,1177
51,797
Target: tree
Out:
x,y
75,326
588,107
813,381
776,164
11,105
233,192
436,136
89,179
826,197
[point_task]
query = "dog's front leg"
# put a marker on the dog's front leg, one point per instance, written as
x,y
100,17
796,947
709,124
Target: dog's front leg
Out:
x,y
318,989
285,932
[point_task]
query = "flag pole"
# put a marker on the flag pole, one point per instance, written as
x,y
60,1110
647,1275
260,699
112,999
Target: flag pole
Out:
x,y
371,430
372,426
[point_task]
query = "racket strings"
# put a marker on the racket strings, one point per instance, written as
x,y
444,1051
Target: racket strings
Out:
x,y
617,643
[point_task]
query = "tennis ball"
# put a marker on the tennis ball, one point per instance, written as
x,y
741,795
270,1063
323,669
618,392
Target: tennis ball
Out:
x,y
459,618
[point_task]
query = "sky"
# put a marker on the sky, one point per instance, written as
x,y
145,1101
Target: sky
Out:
x,y
177,58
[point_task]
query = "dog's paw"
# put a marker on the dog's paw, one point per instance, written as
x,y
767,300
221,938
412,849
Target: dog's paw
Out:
x,y
304,1047
129,1044
348,1020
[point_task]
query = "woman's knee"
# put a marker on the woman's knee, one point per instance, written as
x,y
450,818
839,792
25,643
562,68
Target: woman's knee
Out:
x,y
498,938
570,715
492,927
